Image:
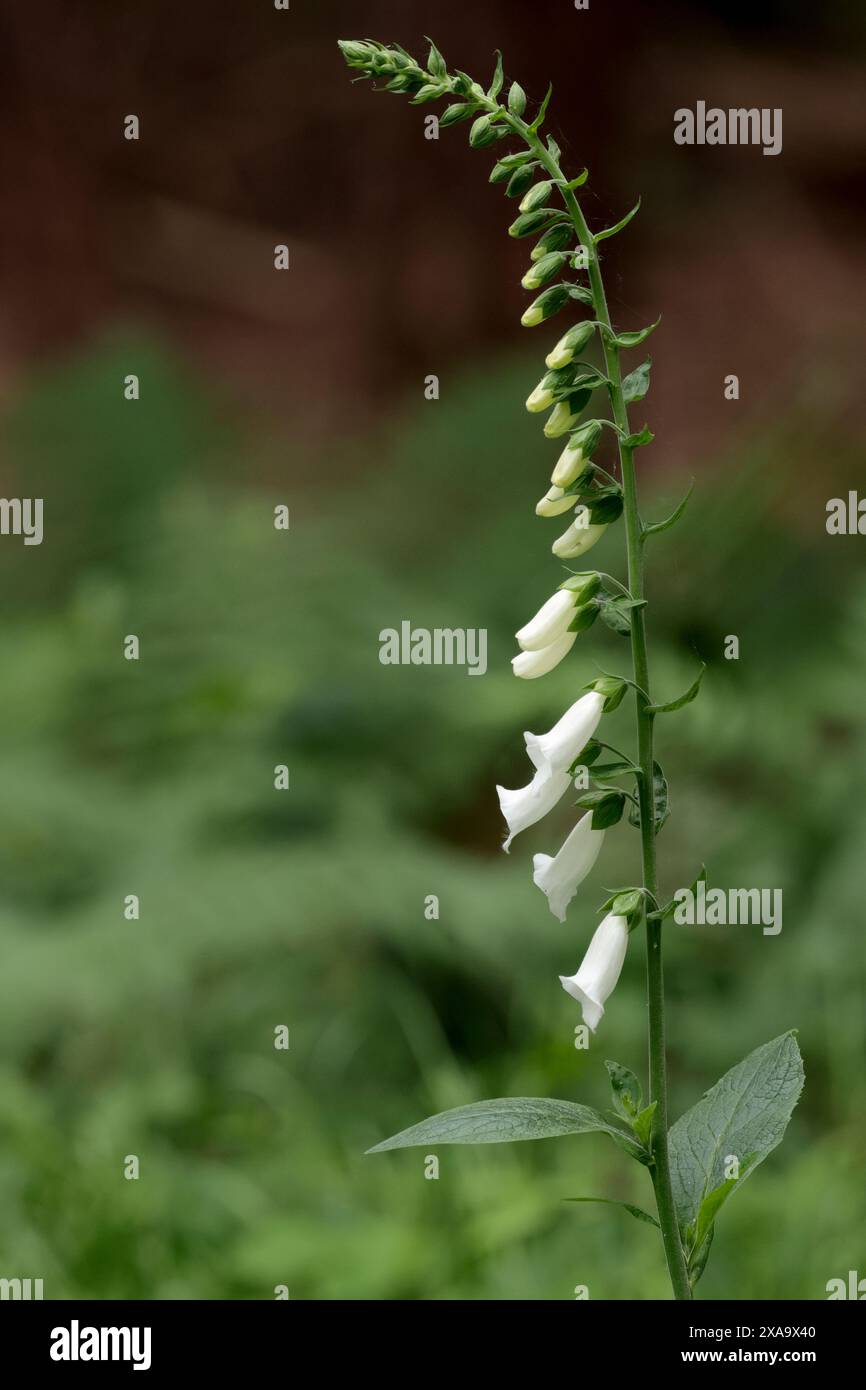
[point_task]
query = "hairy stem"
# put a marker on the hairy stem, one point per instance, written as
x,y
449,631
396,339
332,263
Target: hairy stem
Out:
x,y
635,540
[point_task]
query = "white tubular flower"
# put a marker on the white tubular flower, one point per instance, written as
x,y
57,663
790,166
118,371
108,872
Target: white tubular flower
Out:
x,y
554,502
600,969
569,466
560,420
580,536
529,665
539,399
556,751
526,805
561,876
549,623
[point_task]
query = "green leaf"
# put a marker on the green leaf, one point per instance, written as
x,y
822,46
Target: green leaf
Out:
x,y
643,1123
627,1206
542,110
684,699
636,384
698,1263
631,340
715,1200
636,441
516,99
577,182
498,78
502,1122
616,611
623,222
435,61
670,908
675,515
661,806
553,148
606,807
626,1090
746,1112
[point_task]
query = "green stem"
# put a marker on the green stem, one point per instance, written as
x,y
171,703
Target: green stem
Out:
x,y
660,1168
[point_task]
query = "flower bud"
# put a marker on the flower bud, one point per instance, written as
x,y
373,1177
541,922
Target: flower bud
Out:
x,y
570,466
536,197
529,222
550,622
482,133
574,341
549,302
541,398
600,969
580,536
520,181
461,111
554,239
530,665
539,274
560,420
554,502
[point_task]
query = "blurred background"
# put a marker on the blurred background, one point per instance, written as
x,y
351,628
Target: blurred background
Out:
x,y
306,907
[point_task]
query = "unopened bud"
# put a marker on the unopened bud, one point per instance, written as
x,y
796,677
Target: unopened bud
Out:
x,y
549,302
520,181
554,239
539,274
580,536
541,398
574,341
560,420
529,222
554,502
536,197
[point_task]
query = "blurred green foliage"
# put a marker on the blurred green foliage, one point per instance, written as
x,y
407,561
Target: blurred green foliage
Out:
x,y
306,907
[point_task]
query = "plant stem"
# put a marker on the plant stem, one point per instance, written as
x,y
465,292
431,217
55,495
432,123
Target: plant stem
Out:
x,y
635,540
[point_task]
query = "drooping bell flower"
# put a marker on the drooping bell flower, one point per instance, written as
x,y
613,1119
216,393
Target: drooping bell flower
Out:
x,y
580,536
554,502
556,750
526,805
549,623
600,969
559,876
529,665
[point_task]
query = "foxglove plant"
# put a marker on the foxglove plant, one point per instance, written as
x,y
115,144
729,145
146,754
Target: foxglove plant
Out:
x,y
696,1164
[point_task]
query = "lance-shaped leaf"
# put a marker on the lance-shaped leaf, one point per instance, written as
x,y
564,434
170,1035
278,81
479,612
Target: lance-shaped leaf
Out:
x,y
630,340
542,110
498,78
505,1121
636,384
636,441
626,1090
670,907
684,699
606,807
745,1113
637,1212
623,222
655,527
